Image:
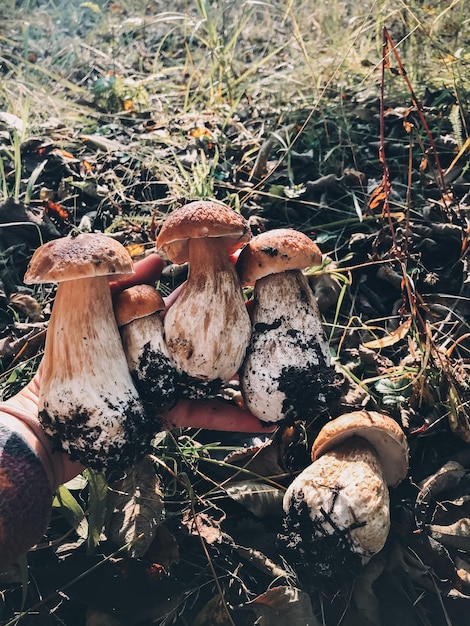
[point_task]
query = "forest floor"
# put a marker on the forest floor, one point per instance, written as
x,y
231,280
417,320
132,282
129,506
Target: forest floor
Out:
x,y
112,114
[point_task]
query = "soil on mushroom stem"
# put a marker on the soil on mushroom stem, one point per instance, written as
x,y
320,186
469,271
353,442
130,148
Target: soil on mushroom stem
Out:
x,y
309,390
318,558
157,380
137,435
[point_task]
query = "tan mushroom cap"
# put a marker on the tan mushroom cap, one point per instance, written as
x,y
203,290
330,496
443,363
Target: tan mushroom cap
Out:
x,y
81,256
276,251
202,218
136,302
382,432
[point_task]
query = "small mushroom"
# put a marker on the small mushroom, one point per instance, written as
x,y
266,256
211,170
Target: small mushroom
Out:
x,y
137,311
287,372
88,403
207,330
337,510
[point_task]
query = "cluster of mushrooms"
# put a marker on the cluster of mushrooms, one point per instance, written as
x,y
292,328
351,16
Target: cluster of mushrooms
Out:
x,y
107,378
110,368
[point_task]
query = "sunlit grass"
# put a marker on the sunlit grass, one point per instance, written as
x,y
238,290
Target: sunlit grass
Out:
x,y
254,66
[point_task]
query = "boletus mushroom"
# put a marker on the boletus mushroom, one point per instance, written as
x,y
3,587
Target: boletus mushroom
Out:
x,y
137,310
207,330
337,510
88,402
287,372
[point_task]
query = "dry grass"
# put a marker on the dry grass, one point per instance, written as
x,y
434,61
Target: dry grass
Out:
x,y
218,82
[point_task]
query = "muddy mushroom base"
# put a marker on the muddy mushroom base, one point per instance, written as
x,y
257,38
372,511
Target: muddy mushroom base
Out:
x,y
337,514
88,403
93,445
150,366
287,372
137,310
155,379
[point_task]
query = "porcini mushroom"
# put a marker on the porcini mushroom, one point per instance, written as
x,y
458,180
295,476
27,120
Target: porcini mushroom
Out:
x,y
137,311
88,403
337,510
287,372
208,328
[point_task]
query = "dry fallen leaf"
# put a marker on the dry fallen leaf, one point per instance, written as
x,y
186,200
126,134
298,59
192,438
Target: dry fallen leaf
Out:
x,y
27,306
164,549
135,505
391,339
260,499
283,606
455,535
204,526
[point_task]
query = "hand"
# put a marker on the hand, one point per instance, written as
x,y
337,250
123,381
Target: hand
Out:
x,y
30,471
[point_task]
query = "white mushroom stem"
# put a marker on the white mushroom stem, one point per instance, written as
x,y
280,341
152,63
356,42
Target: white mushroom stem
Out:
x,y
149,360
137,334
88,402
208,329
287,345
338,510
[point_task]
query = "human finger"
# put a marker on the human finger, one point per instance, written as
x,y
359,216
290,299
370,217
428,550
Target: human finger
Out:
x,y
147,272
171,299
214,415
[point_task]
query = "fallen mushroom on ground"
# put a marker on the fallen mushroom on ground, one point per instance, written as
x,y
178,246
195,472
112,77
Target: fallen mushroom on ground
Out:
x,y
287,372
207,330
137,311
88,402
337,510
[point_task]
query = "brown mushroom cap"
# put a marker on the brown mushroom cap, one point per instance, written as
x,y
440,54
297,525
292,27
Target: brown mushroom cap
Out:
x,y
136,302
382,432
199,219
276,251
81,256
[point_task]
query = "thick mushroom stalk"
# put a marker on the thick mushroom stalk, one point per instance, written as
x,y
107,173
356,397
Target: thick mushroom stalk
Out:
x,y
287,372
137,314
337,511
207,330
88,403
